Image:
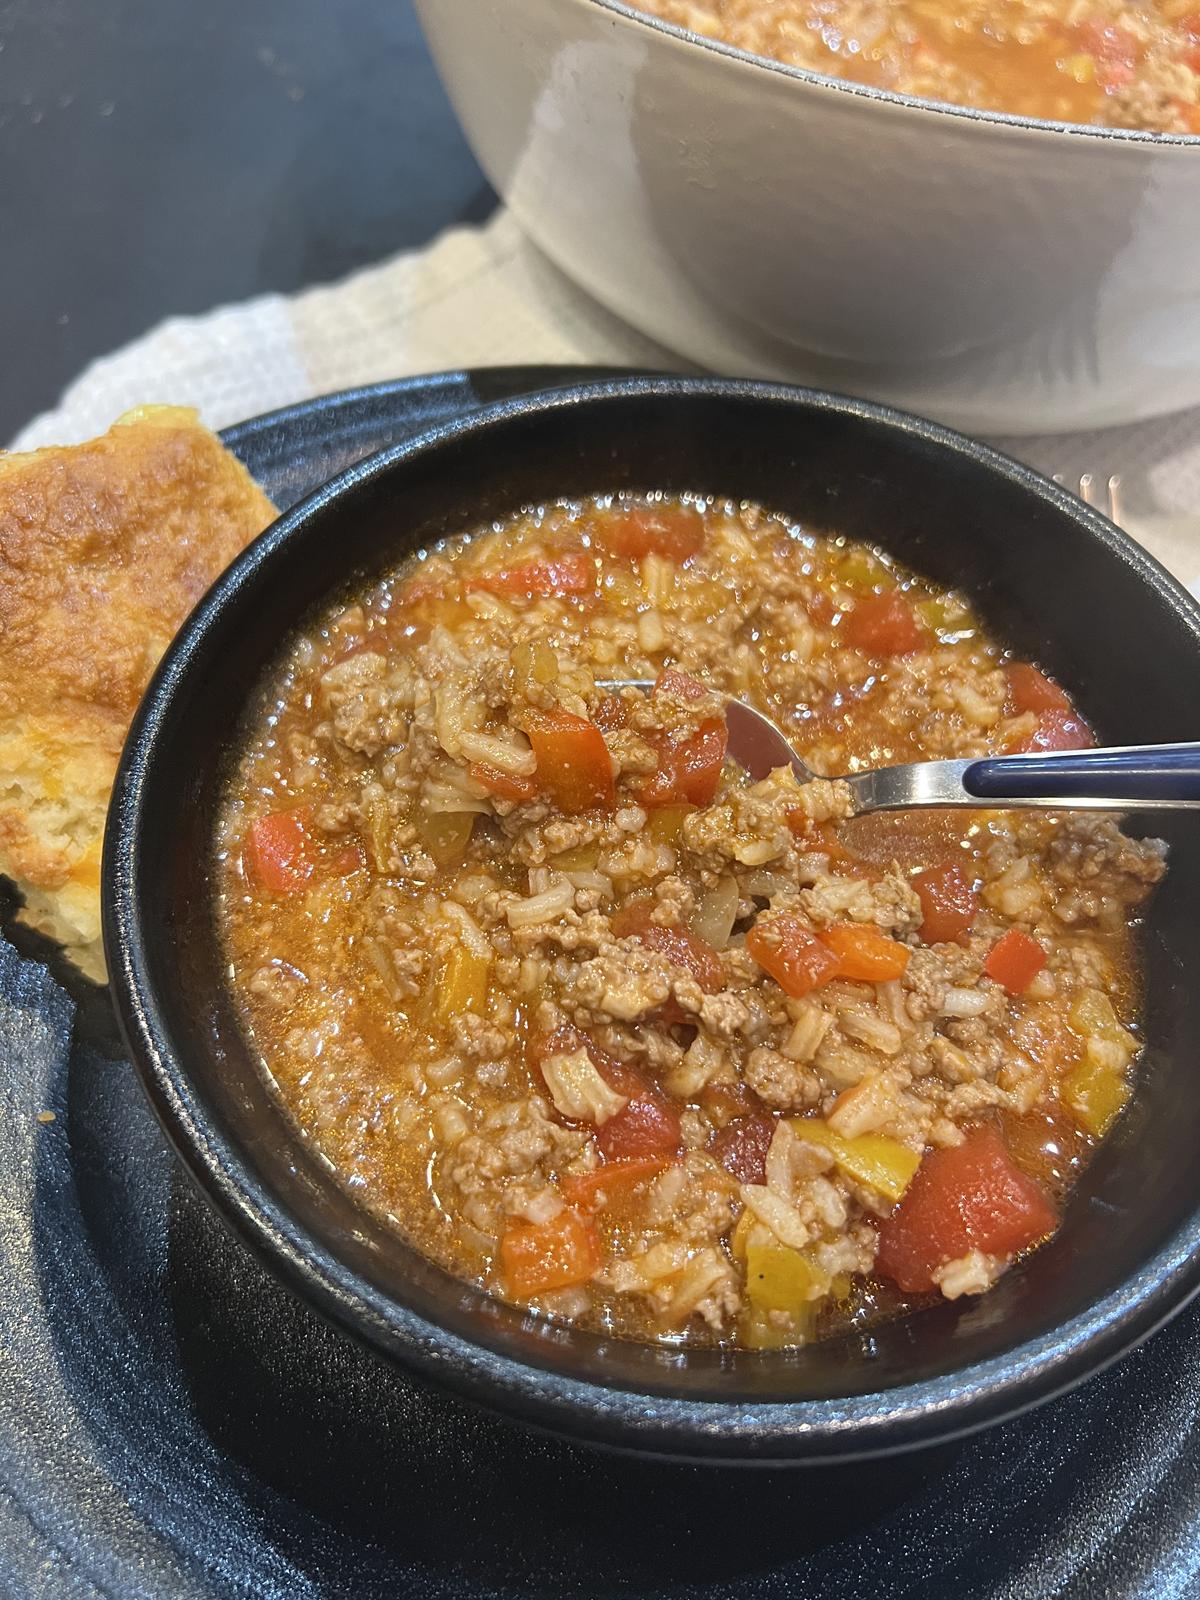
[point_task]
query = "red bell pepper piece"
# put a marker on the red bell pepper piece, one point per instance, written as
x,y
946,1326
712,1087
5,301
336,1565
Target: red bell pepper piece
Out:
x,y
1015,960
537,1257
573,764
280,850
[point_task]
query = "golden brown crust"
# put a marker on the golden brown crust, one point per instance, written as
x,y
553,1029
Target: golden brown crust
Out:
x,y
104,549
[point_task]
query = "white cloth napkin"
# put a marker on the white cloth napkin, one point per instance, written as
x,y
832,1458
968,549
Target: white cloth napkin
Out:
x,y
486,297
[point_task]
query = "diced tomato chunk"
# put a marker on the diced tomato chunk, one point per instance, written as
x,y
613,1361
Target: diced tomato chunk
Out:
x,y
791,953
824,840
572,573
683,949
698,762
675,532
279,850
884,625
972,1196
864,954
610,1183
537,1257
646,1126
688,771
1031,690
1015,960
573,764
504,785
948,900
1056,730
741,1146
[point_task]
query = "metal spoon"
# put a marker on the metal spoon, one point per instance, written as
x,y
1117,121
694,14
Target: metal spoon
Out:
x,y
1136,777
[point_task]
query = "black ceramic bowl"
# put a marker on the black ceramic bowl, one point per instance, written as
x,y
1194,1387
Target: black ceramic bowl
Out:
x,y
1051,577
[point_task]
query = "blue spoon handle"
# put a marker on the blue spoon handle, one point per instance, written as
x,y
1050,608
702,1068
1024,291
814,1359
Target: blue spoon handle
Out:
x,y
1145,775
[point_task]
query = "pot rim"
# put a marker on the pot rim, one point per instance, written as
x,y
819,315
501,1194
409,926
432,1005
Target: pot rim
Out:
x,y
1042,127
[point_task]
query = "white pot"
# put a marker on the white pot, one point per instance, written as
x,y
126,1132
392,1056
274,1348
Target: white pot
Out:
x,y
1006,275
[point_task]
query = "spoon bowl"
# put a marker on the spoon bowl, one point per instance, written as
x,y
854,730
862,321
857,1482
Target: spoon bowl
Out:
x,y
1136,777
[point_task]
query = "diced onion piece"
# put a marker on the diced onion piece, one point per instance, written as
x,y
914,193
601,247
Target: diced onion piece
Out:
x,y
782,1219
716,913
517,759
578,1090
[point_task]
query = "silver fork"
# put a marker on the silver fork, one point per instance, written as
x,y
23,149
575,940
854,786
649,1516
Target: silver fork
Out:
x,y
1102,494
1127,778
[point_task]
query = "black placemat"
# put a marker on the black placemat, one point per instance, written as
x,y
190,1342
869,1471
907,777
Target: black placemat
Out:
x,y
174,1424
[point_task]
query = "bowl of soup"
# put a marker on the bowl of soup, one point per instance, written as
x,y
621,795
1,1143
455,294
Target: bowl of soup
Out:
x,y
543,1047
988,213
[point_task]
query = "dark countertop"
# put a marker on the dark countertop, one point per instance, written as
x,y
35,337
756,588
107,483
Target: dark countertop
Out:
x,y
162,156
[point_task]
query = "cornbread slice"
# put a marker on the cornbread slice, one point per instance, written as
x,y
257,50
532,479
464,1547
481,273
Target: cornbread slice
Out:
x,y
104,549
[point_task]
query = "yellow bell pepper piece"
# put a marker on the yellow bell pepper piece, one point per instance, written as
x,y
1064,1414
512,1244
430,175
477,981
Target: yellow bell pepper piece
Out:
x,y
1092,1012
666,823
1094,1094
737,1239
944,616
462,984
782,1281
779,1278
1095,1090
582,858
859,569
881,1163
445,834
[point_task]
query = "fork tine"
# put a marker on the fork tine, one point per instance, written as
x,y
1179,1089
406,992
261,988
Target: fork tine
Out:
x,y
1115,507
1104,497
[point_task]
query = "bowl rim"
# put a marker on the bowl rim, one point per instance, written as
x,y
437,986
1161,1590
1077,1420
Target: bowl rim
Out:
x,y
1039,126
872,1424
